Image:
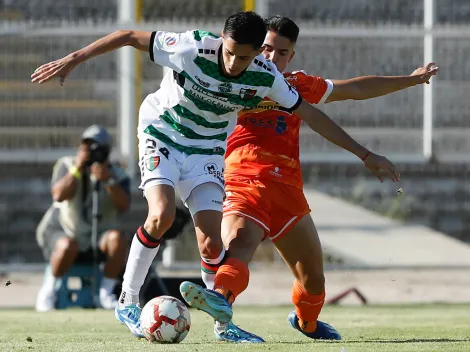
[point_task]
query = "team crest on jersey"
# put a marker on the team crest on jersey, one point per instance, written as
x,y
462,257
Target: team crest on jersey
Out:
x,y
225,87
170,41
247,94
152,163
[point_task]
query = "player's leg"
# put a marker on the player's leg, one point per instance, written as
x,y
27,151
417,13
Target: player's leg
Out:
x,y
113,245
205,206
242,236
144,248
159,174
62,251
300,248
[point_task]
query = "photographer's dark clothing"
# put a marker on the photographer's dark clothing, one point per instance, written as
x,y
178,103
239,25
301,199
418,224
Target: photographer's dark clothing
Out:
x,y
73,217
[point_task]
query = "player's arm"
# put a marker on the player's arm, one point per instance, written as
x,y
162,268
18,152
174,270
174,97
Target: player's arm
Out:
x,y
328,129
318,121
62,67
368,87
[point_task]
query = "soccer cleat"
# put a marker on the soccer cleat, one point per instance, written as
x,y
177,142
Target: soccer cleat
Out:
x,y
209,301
130,317
231,333
324,331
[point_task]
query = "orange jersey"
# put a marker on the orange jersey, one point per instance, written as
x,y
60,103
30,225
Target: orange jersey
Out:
x,y
265,142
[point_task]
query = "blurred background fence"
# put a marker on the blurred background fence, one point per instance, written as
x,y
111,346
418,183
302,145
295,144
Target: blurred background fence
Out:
x,y
426,131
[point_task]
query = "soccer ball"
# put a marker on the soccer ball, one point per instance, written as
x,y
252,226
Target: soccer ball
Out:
x,y
165,319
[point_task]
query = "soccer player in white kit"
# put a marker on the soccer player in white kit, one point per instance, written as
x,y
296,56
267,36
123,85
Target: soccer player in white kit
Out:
x,y
183,128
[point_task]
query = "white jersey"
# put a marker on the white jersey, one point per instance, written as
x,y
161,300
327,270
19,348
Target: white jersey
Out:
x,y
196,107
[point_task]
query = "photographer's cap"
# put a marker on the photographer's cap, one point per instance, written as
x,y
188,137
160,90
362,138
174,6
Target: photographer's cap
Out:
x,y
99,134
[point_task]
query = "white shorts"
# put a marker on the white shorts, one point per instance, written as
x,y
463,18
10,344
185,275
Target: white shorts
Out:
x,y
161,164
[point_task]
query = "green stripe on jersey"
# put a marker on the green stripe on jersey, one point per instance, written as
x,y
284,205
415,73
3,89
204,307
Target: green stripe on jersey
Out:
x,y
188,132
198,120
198,35
251,78
152,131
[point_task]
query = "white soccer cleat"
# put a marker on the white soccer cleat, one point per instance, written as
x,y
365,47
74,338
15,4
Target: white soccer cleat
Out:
x,y
45,300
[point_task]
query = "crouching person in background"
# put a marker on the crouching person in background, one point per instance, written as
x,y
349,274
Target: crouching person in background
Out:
x,y
65,231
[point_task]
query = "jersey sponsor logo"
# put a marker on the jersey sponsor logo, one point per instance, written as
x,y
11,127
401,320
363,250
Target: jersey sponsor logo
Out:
x,y
213,169
209,98
275,172
202,83
279,125
152,163
247,94
170,41
225,87
265,105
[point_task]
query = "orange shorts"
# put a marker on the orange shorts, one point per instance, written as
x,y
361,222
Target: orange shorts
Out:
x,y
276,207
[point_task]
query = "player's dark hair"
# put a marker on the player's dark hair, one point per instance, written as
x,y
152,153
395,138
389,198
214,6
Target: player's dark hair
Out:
x,y
283,26
246,28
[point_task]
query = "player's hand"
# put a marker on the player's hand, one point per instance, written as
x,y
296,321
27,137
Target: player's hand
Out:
x,y
59,68
101,171
381,167
82,157
425,73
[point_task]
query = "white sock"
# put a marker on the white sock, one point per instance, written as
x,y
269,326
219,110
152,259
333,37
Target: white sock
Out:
x,y
209,269
107,286
141,256
50,282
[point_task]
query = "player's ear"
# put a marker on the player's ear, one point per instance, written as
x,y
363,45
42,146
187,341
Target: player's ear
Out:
x,y
291,56
222,34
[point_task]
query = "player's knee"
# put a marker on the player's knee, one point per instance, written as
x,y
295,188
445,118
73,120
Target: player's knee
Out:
x,y
242,239
210,246
158,221
66,246
116,238
313,284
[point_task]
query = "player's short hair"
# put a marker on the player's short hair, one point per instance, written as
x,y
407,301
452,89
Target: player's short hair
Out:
x,y
246,28
283,26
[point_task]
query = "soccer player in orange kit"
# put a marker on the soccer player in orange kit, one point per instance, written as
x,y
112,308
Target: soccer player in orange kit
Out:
x,y
264,190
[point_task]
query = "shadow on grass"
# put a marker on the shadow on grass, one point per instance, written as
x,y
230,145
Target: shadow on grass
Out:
x,y
373,341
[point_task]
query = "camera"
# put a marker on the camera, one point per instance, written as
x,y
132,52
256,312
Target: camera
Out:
x,y
98,153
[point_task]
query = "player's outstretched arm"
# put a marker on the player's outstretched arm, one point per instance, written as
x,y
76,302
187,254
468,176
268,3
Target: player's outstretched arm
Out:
x,y
62,67
327,128
368,87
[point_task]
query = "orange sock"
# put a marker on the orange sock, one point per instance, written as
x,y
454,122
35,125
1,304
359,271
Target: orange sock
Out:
x,y
307,307
232,279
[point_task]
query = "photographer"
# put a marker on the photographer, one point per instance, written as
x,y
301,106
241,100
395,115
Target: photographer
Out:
x,y
65,232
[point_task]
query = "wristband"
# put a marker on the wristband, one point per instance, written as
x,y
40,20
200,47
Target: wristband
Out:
x,y
365,157
73,170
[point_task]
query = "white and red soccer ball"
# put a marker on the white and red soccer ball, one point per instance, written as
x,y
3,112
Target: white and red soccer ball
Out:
x,y
165,319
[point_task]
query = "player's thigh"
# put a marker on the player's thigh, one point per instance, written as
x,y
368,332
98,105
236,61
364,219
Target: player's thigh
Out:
x,y
158,163
301,250
288,207
205,206
161,207
241,236
246,198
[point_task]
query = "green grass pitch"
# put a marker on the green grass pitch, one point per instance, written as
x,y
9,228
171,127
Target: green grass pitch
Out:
x,y
374,328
